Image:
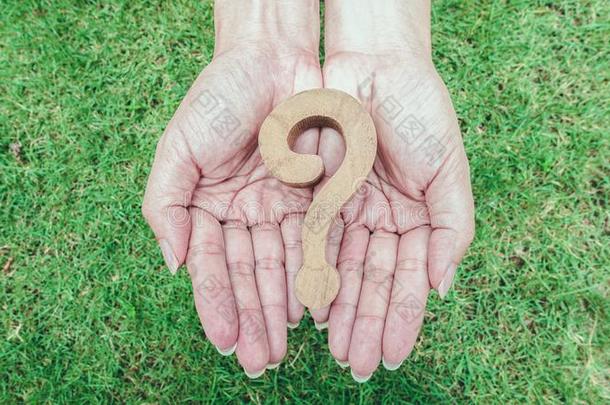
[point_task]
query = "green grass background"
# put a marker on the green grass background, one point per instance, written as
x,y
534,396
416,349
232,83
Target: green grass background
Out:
x,y
89,313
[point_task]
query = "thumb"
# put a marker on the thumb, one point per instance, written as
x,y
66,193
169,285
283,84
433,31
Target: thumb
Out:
x,y
451,208
172,180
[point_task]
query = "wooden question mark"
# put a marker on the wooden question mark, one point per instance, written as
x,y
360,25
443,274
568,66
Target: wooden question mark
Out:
x,y
317,282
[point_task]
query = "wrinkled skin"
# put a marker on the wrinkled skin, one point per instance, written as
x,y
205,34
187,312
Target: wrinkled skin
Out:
x,y
408,228
212,201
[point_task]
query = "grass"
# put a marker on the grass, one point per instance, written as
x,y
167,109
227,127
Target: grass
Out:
x,y
88,313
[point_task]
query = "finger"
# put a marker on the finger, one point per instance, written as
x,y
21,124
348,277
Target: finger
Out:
x,y
343,310
451,208
211,285
408,300
291,228
252,347
365,346
271,283
333,243
168,194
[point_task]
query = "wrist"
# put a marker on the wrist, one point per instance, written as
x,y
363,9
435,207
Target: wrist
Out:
x,y
282,26
384,27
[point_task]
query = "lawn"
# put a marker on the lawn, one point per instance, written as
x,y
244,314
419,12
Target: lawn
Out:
x,y
89,313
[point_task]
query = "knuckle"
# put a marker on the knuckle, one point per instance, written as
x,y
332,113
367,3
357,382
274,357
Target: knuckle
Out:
x,y
272,264
293,243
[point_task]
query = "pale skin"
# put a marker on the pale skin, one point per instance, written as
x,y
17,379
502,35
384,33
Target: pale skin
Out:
x,y
213,205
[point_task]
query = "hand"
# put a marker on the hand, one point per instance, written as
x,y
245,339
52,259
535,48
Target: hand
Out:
x,y
409,226
210,200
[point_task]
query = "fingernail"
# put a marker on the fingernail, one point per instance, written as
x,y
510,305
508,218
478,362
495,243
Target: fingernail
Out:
x,y
360,379
293,325
227,352
342,364
321,325
390,366
272,366
168,255
445,285
255,374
